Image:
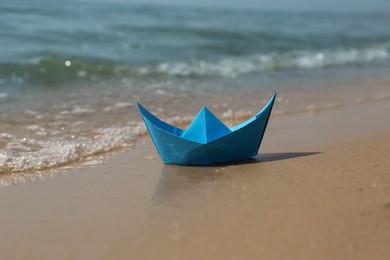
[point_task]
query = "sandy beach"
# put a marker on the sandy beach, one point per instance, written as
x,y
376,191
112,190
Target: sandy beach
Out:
x,y
80,177
320,189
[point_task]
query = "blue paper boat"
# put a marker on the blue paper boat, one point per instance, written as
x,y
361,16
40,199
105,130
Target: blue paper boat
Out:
x,y
207,140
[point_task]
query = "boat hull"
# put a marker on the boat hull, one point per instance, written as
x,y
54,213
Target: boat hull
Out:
x,y
241,143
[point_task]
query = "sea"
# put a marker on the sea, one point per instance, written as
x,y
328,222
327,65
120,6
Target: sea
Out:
x,y
72,72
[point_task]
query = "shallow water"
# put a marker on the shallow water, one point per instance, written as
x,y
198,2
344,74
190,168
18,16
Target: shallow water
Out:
x,y
71,74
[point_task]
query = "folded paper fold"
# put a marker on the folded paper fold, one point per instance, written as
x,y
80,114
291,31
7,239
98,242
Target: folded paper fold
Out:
x,y
207,140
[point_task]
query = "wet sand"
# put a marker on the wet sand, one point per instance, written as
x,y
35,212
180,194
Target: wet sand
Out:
x,y
320,189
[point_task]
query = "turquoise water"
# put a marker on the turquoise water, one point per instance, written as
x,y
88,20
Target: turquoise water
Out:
x,y
70,72
112,40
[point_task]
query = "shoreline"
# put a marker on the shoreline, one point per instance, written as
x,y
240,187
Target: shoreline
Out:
x,y
65,154
319,189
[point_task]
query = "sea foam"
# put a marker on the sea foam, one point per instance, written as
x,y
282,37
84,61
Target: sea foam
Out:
x,y
53,153
255,63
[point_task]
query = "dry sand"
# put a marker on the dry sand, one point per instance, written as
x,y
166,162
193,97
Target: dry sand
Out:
x,y
319,190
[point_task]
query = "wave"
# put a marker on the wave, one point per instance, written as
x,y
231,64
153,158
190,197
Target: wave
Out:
x,y
29,154
55,69
237,66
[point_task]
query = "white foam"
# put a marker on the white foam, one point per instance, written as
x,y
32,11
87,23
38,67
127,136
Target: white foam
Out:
x,y
32,155
77,110
236,66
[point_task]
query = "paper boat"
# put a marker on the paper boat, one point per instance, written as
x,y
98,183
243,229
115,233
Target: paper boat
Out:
x,y
207,140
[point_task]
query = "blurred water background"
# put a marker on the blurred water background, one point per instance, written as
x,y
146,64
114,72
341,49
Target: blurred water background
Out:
x,y
72,72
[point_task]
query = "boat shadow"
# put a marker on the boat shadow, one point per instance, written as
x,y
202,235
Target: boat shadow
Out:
x,y
178,184
264,157
270,157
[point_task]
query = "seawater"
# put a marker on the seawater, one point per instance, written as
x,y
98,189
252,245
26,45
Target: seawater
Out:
x,y
71,72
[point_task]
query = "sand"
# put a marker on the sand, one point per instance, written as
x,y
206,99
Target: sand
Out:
x,y
320,189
